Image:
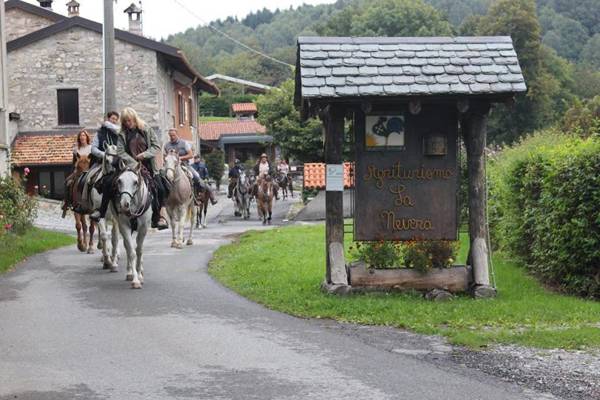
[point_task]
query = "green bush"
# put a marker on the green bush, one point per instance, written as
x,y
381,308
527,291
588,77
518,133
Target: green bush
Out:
x,y
545,208
215,162
17,209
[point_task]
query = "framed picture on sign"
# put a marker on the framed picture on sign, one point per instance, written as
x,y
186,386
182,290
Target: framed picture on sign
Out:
x,y
384,132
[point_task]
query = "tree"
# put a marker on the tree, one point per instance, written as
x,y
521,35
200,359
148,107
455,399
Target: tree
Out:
x,y
547,77
215,162
302,140
590,55
388,18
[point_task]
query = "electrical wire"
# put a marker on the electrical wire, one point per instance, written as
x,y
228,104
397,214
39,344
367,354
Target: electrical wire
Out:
x,y
245,46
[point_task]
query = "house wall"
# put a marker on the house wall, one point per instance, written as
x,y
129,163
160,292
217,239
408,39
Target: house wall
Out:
x,y
20,23
73,60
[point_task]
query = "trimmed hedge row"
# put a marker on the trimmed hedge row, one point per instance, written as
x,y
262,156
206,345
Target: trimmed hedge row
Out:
x,y
545,208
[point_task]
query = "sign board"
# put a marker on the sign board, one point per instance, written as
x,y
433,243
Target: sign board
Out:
x,y
407,175
334,178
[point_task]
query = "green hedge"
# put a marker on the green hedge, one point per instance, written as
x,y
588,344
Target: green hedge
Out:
x,y
545,208
17,209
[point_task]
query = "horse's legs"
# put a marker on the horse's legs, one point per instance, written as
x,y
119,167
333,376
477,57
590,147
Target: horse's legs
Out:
x,y
181,223
114,238
84,230
128,242
173,220
139,252
193,210
80,232
91,242
103,243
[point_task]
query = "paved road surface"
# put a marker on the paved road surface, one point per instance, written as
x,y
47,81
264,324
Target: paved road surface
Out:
x,y
69,330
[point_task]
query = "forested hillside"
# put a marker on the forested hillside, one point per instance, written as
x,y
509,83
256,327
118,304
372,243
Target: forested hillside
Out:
x,y
571,27
558,43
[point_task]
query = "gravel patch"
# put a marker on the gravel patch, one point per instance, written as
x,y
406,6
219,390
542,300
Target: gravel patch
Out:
x,y
546,374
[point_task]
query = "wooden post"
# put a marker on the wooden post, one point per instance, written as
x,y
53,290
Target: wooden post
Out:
x,y
474,131
333,121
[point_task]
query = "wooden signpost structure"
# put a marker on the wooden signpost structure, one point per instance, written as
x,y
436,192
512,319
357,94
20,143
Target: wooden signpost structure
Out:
x,y
409,99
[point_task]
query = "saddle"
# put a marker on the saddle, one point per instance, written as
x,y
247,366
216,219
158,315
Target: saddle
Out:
x,y
88,181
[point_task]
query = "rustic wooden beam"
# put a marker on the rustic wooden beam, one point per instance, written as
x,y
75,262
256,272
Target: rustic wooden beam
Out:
x,y
474,131
333,120
454,279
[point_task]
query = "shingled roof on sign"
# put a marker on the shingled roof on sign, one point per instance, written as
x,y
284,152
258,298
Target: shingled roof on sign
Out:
x,y
339,67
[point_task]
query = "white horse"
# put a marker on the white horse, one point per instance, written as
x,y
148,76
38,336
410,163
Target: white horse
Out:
x,y
242,196
110,252
180,201
133,214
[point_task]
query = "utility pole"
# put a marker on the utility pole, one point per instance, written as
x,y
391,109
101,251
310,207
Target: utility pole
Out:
x,y
4,136
110,97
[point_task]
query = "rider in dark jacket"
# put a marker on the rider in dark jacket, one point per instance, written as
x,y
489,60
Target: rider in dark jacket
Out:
x,y
108,134
234,174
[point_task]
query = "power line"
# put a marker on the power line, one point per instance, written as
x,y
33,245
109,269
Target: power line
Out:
x,y
260,53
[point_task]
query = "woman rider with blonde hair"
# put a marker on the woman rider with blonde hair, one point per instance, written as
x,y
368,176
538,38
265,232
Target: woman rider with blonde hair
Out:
x,y
137,143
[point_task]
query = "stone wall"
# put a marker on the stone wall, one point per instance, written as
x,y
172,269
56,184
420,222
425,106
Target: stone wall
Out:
x,y
166,99
20,23
73,60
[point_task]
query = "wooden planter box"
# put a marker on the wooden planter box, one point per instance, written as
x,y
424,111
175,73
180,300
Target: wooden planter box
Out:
x,y
455,279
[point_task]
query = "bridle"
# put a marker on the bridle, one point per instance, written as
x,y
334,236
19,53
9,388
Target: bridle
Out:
x,y
175,169
136,196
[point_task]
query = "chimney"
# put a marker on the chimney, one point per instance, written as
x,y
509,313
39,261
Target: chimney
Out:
x,y
45,3
73,8
135,18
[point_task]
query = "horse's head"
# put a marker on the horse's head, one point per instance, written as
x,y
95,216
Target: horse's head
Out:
x,y
171,164
128,187
110,156
82,164
243,183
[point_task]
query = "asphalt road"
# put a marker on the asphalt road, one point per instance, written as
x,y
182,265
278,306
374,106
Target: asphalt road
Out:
x,y
69,330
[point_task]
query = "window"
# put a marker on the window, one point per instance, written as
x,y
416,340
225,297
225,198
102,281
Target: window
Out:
x,y
189,114
68,106
181,108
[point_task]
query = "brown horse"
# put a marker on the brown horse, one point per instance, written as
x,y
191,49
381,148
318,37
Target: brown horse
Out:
x,y
202,201
85,228
264,199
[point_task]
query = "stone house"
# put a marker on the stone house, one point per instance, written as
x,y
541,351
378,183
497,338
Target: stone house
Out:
x,y
55,79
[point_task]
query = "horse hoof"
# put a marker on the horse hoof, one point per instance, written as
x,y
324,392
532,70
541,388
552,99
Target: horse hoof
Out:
x,y
190,242
91,250
204,226
129,277
114,269
174,244
136,285
99,246
179,246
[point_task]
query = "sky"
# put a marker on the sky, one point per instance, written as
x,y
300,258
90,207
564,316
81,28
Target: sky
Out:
x,y
164,17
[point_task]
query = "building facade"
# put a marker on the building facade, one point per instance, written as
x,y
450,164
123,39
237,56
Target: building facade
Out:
x,y
55,79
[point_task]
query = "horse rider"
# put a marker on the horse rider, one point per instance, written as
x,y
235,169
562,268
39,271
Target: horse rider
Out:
x,y
81,148
283,168
107,134
262,170
138,144
234,174
184,150
199,166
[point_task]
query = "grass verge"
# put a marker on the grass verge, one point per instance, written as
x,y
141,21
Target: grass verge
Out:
x,y
15,248
283,269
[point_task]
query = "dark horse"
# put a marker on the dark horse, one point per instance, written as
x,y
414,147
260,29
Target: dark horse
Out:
x,y
202,201
285,183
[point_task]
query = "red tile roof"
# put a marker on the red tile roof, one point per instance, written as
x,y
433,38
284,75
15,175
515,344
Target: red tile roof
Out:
x,y
214,130
244,108
43,149
314,175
